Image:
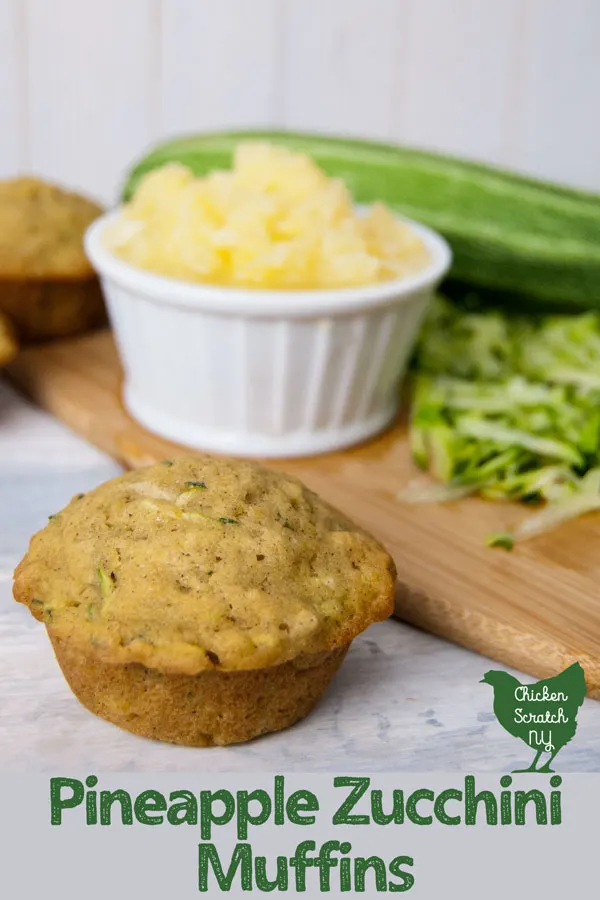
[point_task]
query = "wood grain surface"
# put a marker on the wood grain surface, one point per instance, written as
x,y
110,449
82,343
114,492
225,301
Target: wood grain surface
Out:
x,y
536,608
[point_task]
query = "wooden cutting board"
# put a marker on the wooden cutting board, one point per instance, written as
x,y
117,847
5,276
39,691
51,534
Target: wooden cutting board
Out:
x,y
536,608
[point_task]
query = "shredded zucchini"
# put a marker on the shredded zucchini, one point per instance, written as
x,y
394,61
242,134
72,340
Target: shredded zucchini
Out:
x,y
106,582
508,408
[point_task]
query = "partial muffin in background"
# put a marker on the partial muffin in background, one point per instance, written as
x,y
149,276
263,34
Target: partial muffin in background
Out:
x,y
203,601
8,341
47,287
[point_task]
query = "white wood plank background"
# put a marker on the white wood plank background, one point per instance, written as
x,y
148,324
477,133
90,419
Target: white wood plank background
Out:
x,y
92,80
339,65
219,64
86,85
458,78
13,113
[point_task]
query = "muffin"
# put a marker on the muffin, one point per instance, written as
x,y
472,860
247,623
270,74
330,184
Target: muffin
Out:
x,y
8,343
203,601
47,286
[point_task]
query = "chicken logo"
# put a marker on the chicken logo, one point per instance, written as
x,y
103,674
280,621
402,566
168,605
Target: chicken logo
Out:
x,y
544,714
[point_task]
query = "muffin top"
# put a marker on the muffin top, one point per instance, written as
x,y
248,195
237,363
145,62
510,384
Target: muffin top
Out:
x,y
202,563
41,231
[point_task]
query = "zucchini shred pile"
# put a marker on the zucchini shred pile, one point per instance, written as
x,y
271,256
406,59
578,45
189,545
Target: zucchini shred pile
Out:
x,y
508,408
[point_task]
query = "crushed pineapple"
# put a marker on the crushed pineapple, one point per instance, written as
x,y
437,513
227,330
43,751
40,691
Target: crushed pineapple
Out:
x,y
274,221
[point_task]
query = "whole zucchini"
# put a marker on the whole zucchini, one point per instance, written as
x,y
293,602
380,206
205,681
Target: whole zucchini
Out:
x,y
508,233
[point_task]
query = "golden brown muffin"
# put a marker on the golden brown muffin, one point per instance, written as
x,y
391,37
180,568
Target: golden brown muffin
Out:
x,y
201,600
47,286
8,342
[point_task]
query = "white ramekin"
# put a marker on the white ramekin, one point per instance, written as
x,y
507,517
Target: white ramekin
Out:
x,y
257,372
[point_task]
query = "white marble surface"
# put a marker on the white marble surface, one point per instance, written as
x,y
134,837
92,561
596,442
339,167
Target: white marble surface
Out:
x,y
403,700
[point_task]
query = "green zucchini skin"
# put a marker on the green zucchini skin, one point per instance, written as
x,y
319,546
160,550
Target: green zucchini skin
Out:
x,y
473,298
508,233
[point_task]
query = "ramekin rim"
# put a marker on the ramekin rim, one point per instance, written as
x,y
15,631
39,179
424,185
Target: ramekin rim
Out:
x,y
264,301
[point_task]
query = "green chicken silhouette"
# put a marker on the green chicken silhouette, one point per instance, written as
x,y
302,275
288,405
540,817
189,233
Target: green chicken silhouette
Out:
x,y
544,714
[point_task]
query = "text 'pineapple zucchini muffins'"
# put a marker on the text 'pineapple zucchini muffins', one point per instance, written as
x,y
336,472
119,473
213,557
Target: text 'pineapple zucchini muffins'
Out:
x,y
203,601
